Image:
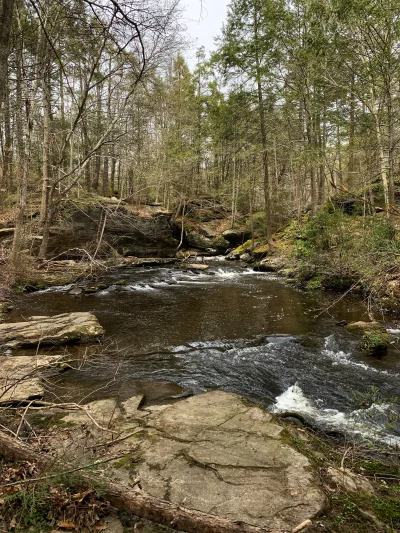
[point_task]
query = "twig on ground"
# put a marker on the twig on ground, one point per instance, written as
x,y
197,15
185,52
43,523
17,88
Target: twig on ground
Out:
x,y
52,476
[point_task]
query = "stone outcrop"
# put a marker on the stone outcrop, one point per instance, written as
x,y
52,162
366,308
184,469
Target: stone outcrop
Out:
x,y
20,377
214,452
236,237
68,328
217,244
144,234
6,233
349,481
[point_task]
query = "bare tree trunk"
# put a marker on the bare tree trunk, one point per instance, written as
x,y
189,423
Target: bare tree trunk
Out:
x,y
97,165
352,126
310,137
6,12
24,142
8,145
263,131
105,184
46,91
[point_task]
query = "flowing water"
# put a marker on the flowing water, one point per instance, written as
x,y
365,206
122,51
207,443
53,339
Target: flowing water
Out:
x,y
230,328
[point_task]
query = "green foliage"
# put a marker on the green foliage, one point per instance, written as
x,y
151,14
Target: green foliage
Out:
x,y
351,506
335,251
321,233
258,223
366,399
375,342
348,511
37,506
33,508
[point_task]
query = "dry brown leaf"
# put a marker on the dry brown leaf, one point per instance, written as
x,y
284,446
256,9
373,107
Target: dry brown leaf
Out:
x,y
101,528
66,525
85,494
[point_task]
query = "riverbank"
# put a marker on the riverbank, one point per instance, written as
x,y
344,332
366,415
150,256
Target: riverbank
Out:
x,y
331,250
335,251
275,474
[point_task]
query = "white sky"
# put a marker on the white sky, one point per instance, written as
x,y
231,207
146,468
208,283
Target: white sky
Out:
x,y
203,19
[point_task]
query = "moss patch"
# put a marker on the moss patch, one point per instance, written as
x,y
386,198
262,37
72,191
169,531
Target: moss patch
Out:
x,y
375,343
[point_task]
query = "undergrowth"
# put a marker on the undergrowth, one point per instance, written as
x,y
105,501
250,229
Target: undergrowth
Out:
x,y
335,251
67,501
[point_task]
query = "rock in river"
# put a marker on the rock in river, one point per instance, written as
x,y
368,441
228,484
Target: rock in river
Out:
x,y
375,339
20,377
60,329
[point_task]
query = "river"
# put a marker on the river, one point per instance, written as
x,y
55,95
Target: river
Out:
x,y
169,330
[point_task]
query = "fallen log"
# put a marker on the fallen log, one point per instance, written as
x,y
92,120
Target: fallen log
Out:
x,y
174,516
16,450
139,504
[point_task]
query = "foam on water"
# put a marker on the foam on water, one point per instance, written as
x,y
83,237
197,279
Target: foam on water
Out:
x,y
141,287
212,259
56,288
370,424
344,358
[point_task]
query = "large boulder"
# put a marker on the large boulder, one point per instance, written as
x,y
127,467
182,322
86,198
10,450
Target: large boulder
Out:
x,y
68,328
194,239
375,339
272,264
236,237
214,452
144,234
222,455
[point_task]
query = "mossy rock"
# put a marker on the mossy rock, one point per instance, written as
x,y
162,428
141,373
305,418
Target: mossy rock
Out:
x,y
315,284
365,327
375,339
375,342
220,243
5,308
261,251
289,272
338,283
245,247
390,303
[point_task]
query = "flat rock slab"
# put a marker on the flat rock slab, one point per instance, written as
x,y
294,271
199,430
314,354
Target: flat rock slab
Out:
x,y
214,452
60,329
219,454
20,377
